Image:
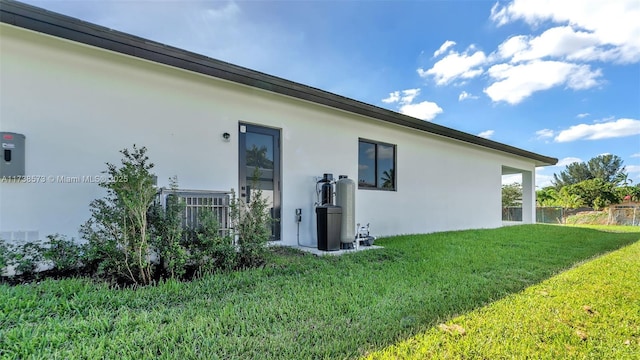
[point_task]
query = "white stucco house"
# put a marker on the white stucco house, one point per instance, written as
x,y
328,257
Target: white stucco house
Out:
x,y
79,93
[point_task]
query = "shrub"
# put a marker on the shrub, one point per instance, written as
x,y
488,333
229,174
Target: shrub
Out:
x,y
128,233
252,227
65,254
167,233
25,258
117,231
4,255
210,250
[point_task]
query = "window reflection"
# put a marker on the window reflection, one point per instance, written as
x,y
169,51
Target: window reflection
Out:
x,y
376,165
366,164
259,155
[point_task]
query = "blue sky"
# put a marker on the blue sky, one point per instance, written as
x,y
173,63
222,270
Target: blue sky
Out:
x,y
560,78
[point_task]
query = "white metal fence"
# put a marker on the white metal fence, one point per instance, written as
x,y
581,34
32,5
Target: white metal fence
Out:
x,y
197,201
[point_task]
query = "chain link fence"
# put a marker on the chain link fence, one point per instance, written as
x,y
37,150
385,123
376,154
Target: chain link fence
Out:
x,y
623,214
546,215
549,215
620,214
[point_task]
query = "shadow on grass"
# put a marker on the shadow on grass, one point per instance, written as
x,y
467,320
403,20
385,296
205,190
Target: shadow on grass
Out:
x,y
300,306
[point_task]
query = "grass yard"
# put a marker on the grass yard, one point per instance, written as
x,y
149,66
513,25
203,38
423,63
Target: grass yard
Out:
x,y
610,228
589,312
299,306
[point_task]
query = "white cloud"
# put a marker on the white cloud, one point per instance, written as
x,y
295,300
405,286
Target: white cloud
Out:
x,y
633,169
582,115
408,95
446,45
393,97
425,110
511,179
465,95
609,30
544,134
635,155
605,120
455,66
543,180
514,83
561,42
403,97
568,160
573,34
512,46
613,129
486,134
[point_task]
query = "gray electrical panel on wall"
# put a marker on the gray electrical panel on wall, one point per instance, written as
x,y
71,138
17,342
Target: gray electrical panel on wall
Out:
x,y
12,156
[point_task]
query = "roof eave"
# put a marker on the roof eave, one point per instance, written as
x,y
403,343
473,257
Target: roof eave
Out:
x,y
51,23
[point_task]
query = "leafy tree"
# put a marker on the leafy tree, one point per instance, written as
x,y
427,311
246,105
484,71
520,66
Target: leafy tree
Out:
x,y
623,179
605,167
628,193
567,200
573,174
547,196
595,193
511,193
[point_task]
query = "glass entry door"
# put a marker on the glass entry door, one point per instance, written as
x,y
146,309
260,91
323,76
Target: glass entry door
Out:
x,y
260,168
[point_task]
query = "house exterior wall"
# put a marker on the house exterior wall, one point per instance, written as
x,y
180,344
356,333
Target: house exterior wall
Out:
x,y
79,105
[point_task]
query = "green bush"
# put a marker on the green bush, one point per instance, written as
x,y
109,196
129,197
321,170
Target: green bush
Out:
x,y
117,233
65,254
129,236
4,255
209,249
25,257
252,227
167,234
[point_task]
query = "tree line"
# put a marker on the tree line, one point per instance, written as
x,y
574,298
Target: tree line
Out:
x,y
597,183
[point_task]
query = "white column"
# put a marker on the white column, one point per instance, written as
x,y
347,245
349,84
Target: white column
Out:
x,y
528,197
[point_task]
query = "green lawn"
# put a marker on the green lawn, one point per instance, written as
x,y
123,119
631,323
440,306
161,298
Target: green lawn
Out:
x,y
298,306
589,312
610,228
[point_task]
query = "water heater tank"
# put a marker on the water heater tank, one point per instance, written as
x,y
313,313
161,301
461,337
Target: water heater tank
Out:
x,y
346,199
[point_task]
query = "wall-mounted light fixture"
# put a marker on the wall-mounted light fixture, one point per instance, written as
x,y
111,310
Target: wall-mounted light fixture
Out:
x,y
226,136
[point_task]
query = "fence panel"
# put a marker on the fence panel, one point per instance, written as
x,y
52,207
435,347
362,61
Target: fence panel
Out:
x,y
549,215
624,215
197,201
512,214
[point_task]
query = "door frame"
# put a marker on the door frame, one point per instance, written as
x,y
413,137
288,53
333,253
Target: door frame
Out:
x,y
243,128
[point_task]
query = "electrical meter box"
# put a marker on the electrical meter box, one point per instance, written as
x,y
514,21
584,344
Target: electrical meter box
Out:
x,y
12,160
